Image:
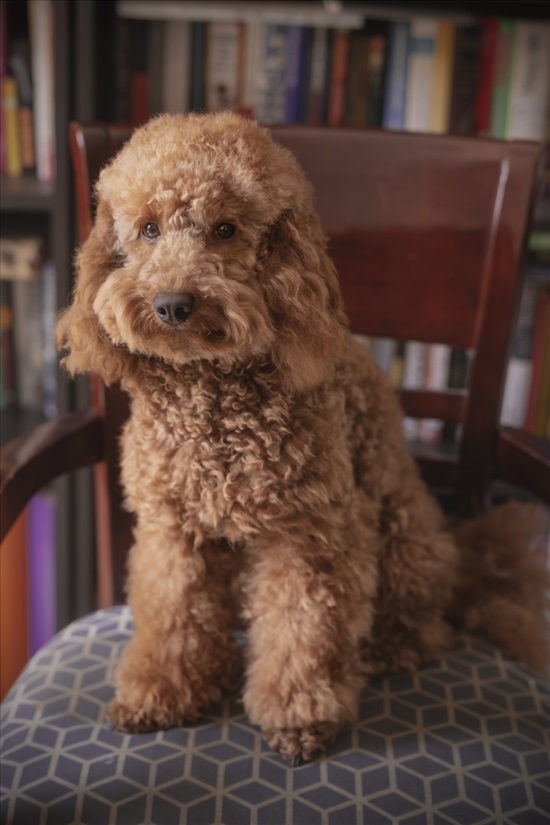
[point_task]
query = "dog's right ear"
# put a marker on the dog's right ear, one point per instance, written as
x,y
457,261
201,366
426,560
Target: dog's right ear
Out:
x,y
87,346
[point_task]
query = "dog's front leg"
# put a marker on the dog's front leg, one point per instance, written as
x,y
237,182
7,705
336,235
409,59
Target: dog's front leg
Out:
x,y
182,652
308,613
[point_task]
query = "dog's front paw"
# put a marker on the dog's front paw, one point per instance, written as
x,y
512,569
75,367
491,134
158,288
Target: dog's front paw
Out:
x,y
155,704
299,745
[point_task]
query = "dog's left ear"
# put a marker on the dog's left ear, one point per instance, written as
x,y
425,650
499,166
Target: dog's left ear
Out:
x,y
303,295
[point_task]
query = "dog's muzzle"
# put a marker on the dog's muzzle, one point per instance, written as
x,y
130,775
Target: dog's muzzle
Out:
x,y
174,307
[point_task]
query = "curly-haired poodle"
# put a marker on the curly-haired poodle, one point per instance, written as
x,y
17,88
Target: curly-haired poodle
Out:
x,y
264,458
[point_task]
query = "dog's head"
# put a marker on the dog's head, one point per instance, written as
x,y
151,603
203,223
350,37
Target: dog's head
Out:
x,y
206,245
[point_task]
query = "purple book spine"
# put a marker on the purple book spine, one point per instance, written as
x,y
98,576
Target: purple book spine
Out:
x,y
42,590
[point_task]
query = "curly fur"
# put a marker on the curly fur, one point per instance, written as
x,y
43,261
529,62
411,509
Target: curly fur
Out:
x,y
264,458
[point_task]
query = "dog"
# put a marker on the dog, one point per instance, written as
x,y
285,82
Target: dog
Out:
x,y
264,458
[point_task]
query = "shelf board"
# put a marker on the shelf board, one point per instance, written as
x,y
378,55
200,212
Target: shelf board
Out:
x,y
299,13
26,194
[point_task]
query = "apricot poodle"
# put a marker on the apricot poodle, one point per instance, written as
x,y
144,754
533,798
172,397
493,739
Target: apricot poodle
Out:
x,y
264,458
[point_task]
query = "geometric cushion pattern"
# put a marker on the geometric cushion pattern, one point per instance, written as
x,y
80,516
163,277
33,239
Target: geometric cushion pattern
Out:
x,y
465,740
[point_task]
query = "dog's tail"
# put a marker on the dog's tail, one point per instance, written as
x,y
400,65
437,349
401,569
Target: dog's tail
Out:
x,y
504,580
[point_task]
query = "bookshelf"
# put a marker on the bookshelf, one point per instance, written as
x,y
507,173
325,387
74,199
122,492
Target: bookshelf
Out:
x,y
89,73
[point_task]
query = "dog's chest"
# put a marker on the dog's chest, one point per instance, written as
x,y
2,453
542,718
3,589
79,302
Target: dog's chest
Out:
x,y
228,452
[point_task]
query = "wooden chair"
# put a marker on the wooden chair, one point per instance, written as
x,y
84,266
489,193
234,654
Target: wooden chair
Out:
x,y
428,234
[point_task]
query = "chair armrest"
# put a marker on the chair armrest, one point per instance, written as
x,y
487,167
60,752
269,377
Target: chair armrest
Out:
x,y
523,459
32,460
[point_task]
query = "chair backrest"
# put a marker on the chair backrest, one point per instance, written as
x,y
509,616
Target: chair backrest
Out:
x,y
428,234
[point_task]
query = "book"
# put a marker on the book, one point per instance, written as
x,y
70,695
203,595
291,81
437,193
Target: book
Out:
x,y
414,369
376,70
48,294
443,77
436,377
223,65
20,265
21,71
12,140
14,604
140,106
3,73
338,77
41,549
458,377
485,80
395,91
298,54
537,415
176,83
466,75
156,66
8,385
42,71
502,71
319,74
252,38
197,91
420,74
529,98
383,350
357,85
122,82
519,370
272,75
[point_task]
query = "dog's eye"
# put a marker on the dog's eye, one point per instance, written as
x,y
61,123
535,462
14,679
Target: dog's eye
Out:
x,y
225,231
150,231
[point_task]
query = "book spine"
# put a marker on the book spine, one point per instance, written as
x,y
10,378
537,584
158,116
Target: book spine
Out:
x,y
122,72
10,107
176,66
339,78
414,369
318,78
155,67
466,74
223,82
8,385
14,604
271,92
41,570
252,45
396,76
530,83
198,66
443,77
296,73
3,73
48,288
436,377
501,78
540,377
20,65
42,69
420,69
376,67
486,72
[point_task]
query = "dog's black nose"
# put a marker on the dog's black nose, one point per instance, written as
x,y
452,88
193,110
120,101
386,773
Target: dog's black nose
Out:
x,y
174,307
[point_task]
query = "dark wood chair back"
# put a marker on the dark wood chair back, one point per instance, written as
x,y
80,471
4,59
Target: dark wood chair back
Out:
x,y
428,234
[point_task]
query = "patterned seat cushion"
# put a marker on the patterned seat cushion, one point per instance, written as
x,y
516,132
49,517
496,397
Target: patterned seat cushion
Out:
x,y
465,740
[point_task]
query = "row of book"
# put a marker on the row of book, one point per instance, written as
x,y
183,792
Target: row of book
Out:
x,y
27,129
28,307
480,76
